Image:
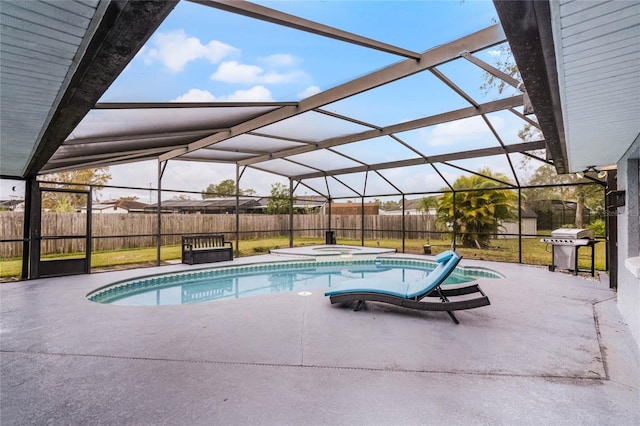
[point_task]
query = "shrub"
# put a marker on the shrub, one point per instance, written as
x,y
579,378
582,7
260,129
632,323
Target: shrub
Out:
x,y
598,227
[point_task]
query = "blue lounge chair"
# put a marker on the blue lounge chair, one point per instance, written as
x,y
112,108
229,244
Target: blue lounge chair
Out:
x,y
409,294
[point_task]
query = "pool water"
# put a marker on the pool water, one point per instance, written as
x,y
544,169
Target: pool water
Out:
x,y
268,278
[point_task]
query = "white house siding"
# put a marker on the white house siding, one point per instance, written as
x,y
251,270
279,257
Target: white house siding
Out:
x,y
629,239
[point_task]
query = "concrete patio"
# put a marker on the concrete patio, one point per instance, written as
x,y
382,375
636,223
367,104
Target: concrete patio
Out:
x,y
550,349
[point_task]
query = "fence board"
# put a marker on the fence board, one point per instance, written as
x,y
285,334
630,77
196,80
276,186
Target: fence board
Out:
x,y
126,226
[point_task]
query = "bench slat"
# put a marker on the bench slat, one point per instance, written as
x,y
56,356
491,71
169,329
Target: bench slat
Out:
x,y
206,248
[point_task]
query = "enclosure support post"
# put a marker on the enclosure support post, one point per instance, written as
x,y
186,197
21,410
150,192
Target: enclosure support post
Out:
x,y
88,248
26,228
454,220
329,213
290,212
237,253
519,225
162,165
362,221
404,223
35,230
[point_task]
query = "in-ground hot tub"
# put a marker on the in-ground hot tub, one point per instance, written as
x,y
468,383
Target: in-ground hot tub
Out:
x,y
330,253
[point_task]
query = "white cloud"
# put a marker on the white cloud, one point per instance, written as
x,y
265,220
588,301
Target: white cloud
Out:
x,y
255,94
279,60
195,95
309,91
494,53
176,49
234,72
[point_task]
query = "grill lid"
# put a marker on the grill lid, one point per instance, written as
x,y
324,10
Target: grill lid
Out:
x,y
570,233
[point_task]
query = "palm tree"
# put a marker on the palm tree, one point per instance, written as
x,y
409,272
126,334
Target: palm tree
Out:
x,y
478,214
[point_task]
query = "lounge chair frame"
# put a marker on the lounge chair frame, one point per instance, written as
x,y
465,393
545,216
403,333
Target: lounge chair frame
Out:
x,y
416,302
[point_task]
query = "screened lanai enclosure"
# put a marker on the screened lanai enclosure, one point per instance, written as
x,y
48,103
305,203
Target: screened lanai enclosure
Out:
x,y
388,119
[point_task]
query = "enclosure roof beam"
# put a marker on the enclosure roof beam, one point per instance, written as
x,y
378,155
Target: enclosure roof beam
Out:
x,y
459,114
262,13
189,105
124,159
491,70
142,137
97,156
482,39
475,153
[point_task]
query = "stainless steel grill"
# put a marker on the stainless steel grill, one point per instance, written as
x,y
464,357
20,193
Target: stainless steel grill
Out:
x,y
565,243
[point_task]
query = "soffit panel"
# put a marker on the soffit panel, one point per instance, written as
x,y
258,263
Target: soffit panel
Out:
x,y
598,51
40,41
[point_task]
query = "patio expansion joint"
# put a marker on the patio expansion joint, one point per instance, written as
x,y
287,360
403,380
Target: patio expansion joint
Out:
x,y
596,321
548,377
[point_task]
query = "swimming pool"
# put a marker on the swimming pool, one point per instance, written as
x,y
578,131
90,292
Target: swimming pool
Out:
x,y
230,282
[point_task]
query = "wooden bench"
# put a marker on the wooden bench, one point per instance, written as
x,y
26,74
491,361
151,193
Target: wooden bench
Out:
x,y
205,249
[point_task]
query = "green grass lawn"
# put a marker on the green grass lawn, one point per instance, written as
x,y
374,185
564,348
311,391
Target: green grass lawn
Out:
x,y
533,252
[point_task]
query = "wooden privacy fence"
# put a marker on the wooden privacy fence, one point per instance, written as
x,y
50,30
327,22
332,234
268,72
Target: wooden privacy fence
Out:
x,y
125,230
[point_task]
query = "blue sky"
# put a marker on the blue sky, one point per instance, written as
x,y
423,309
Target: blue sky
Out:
x,y
199,54
200,49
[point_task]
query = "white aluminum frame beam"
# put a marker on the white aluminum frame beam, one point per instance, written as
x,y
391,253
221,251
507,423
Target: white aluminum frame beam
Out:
x,y
480,40
262,13
419,123
442,158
